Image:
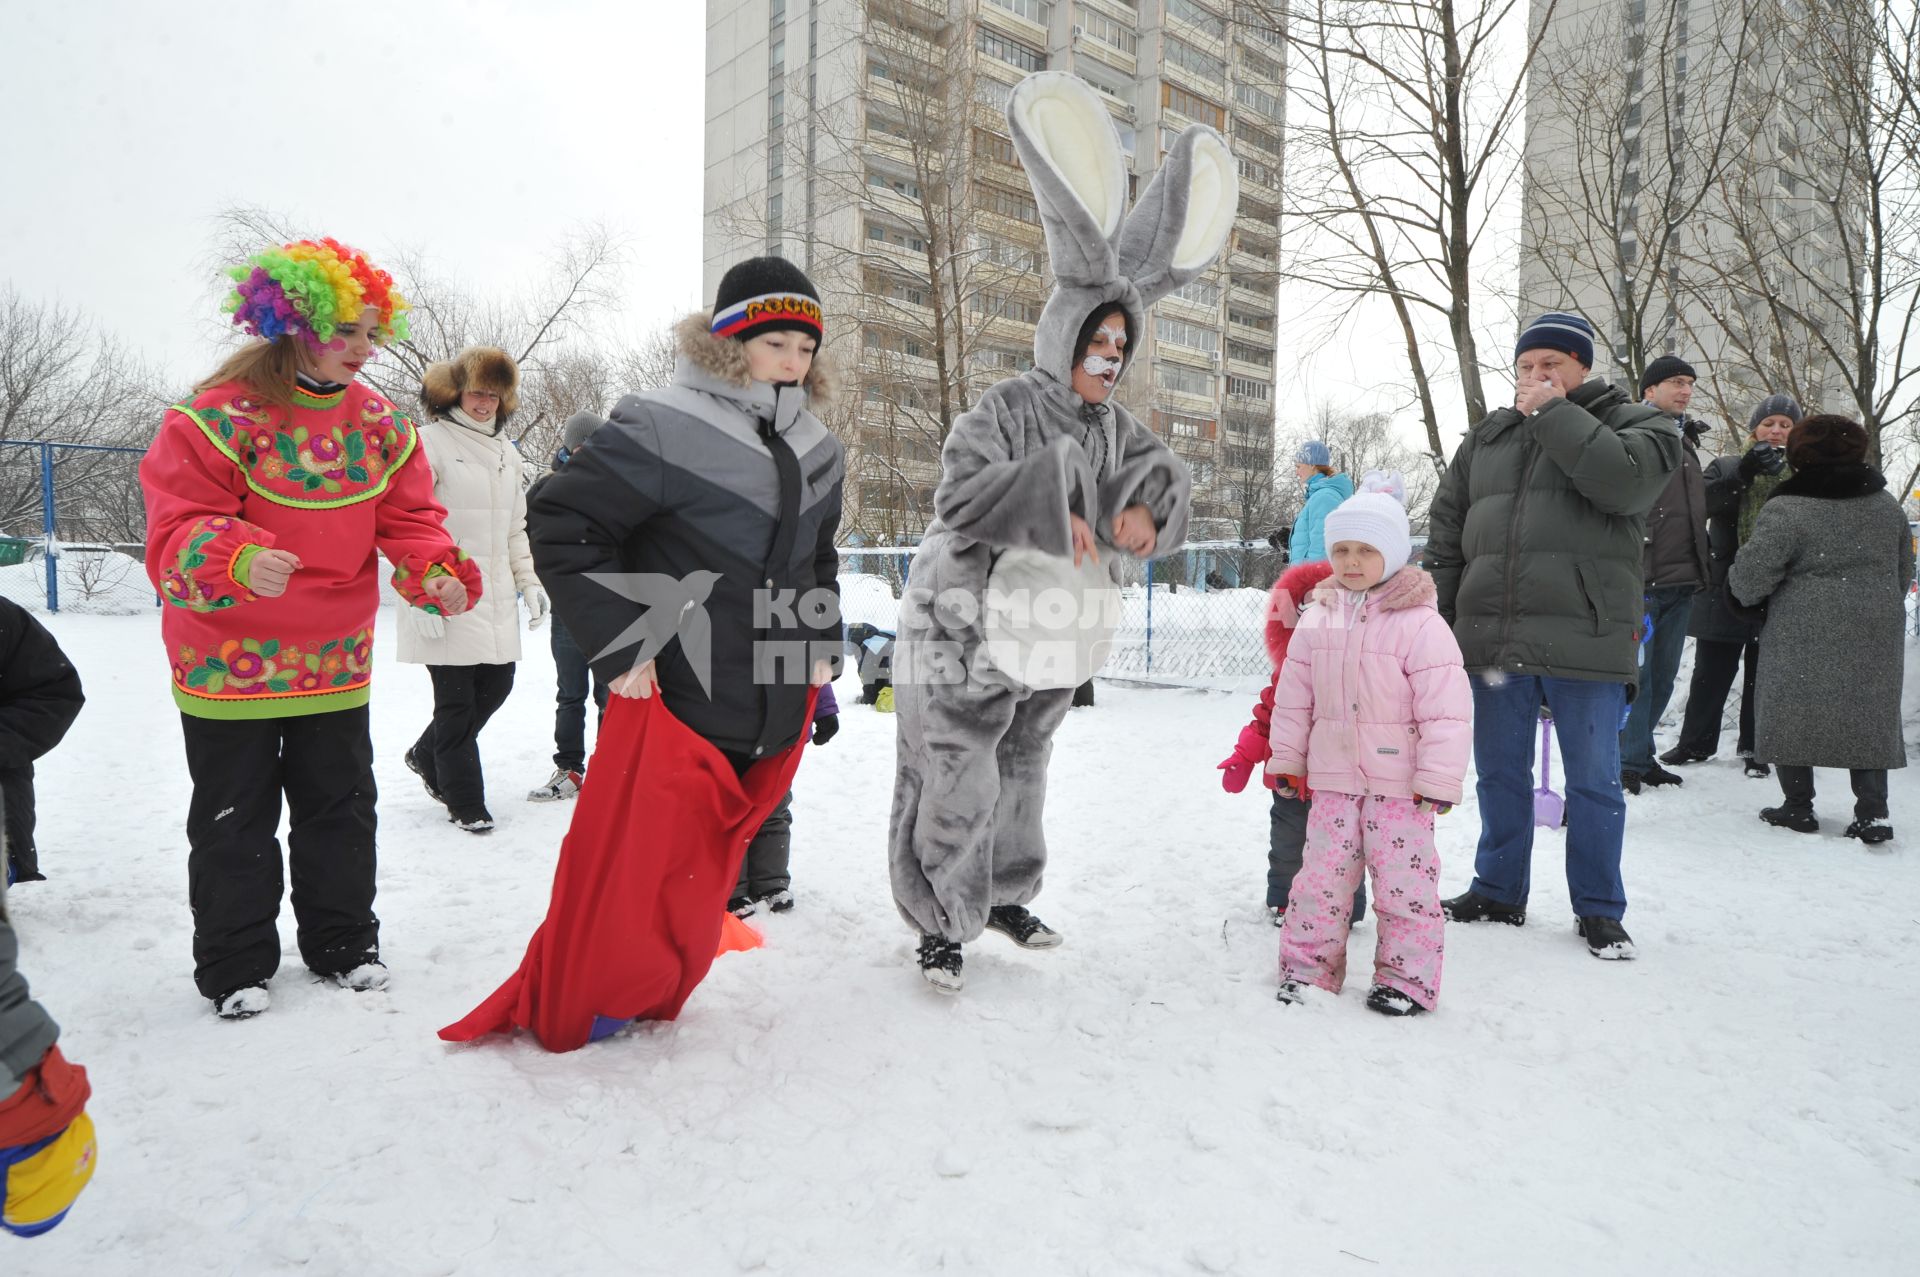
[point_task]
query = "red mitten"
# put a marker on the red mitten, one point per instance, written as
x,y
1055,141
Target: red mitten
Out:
x,y
1249,752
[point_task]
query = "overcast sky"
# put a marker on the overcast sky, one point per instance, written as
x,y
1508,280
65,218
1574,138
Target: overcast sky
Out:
x,y
476,130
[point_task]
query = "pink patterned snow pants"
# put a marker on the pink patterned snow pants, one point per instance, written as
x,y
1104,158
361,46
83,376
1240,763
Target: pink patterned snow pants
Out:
x,y
1348,834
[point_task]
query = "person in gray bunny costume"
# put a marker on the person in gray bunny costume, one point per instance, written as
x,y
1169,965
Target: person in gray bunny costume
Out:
x,y
1045,483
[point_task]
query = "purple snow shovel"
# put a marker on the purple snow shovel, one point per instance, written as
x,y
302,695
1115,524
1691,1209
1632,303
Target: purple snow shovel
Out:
x,y
1549,809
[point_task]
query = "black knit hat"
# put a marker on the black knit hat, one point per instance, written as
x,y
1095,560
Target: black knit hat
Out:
x,y
1774,406
1664,367
1826,439
766,295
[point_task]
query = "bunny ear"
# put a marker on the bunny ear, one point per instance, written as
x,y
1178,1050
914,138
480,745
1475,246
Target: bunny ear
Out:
x,y
1182,222
1072,156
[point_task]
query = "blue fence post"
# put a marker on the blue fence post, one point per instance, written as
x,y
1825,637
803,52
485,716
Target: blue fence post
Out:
x,y
46,522
1149,616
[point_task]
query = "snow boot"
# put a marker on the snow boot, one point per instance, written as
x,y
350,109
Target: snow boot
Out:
x,y
1870,829
242,1003
1756,769
1277,915
1392,1002
743,906
413,765
1788,816
1656,776
1607,939
1291,992
475,820
1681,756
1630,782
1022,928
562,785
365,978
1469,907
940,963
779,902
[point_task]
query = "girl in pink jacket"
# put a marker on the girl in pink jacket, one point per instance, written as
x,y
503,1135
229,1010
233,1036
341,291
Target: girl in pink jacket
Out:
x,y
1373,710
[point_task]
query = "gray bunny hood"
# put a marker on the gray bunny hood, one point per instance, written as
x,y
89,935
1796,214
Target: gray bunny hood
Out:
x,y
1100,253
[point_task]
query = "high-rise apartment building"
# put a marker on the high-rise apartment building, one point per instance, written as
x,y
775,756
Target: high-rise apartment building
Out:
x,y
1677,156
867,141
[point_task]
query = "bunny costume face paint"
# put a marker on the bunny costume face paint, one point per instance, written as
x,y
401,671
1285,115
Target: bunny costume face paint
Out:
x,y
1106,354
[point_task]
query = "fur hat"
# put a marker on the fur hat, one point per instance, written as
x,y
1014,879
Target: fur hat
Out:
x,y
766,295
1775,406
1376,516
475,368
1664,368
1826,439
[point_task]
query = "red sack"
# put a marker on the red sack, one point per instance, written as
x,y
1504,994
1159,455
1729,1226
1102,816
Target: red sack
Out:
x,y
640,893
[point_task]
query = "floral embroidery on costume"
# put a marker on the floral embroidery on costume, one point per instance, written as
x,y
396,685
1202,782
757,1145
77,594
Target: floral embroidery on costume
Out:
x,y
272,667
200,578
344,463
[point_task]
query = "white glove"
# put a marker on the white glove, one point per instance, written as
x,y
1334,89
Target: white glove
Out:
x,y
430,624
537,606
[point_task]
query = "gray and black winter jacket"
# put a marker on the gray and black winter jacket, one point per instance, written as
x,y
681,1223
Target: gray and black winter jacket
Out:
x,y
715,499
1676,553
1537,531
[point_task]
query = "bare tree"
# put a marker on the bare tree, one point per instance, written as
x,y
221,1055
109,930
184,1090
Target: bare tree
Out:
x,y
62,380
1400,154
1361,442
1639,115
1815,283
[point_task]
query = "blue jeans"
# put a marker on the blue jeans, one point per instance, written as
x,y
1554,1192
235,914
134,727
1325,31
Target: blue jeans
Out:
x,y
571,675
1506,727
1669,606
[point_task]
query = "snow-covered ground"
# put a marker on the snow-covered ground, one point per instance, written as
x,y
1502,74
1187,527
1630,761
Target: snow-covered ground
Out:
x,y
1742,1100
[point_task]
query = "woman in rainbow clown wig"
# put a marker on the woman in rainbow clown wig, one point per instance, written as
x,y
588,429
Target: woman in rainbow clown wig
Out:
x,y
267,497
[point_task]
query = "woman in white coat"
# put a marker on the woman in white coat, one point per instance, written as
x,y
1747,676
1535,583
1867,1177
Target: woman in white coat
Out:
x,y
477,477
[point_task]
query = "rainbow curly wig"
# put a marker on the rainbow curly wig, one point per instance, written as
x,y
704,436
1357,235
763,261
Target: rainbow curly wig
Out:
x,y
311,287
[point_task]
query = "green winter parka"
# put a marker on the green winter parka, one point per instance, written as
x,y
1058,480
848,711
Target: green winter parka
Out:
x,y
1537,534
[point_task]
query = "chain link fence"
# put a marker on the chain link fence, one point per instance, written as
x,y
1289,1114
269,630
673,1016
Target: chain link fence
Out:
x,y
73,528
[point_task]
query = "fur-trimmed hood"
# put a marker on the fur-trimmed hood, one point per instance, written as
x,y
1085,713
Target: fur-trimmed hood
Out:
x,y
1409,587
725,359
475,368
1289,596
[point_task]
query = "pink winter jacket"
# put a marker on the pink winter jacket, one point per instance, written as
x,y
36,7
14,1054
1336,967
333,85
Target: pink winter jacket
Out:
x,y
1373,698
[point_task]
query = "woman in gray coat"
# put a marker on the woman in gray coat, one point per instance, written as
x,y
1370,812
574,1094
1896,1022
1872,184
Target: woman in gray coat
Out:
x,y
1830,557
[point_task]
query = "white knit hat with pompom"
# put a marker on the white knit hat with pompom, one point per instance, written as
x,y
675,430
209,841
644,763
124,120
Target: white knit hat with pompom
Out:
x,y
1376,515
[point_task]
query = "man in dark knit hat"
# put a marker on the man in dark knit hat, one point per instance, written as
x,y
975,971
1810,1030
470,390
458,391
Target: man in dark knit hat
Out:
x,y
1675,569
1536,540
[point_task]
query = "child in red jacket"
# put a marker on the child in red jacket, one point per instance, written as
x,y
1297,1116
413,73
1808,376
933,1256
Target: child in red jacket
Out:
x,y
1287,839
267,497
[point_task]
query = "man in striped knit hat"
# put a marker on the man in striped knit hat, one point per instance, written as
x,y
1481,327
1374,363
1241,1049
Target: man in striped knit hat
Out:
x,y
1535,545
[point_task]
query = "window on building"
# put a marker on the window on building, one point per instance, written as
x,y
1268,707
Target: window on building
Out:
x,y
994,147
776,108
990,91
995,45
1256,23
1200,292
1250,132
1248,388
1040,11
1259,101
997,305
1179,332
1249,354
889,182
777,52
1194,108
1250,319
1182,54
1173,425
1107,30
1261,69
1183,380
998,199
1206,19
882,234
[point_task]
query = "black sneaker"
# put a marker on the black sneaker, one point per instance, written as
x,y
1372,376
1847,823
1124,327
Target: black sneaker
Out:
x,y
1022,928
1787,816
1681,756
743,906
940,963
1757,769
1392,1002
1607,939
413,765
1630,782
1657,775
1468,907
1870,829
1291,992
475,820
